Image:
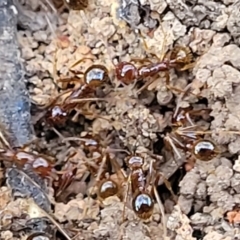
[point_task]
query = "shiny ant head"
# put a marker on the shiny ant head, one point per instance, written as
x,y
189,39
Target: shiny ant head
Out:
x,y
142,205
96,75
204,150
126,72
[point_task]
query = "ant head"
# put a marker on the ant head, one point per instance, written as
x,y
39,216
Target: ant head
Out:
x,y
96,75
134,162
143,204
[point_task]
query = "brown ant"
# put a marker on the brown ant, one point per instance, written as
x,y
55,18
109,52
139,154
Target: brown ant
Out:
x,y
142,185
93,78
180,59
142,198
39,163
42,165
99,163
186,135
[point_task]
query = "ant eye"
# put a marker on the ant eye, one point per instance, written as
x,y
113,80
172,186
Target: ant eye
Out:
x,y
204,150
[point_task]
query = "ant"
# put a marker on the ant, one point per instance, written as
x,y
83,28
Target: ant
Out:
x,y
40,164
180,58
142,198
98,162
94,77
142,185
188,136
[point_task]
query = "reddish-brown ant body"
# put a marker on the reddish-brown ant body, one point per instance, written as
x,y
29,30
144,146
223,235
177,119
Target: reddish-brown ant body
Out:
x,y
98,162
40,164
142,198
180,59
94,77
186,135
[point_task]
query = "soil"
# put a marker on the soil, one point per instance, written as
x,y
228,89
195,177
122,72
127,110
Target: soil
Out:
x,y
205,198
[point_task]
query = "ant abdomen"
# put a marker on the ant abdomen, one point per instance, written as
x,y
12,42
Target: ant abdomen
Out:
x,y
126,72
96,75
143,205
107,188
204,150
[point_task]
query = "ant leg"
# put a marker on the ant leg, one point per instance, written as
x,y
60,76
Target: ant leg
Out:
x,y
86,100
160,204
188,66
146,85
53,101
140,60
171,142
163,43
71,79
169,187
195,113
96,182
161,208
126,198
76,72
79,61
122,175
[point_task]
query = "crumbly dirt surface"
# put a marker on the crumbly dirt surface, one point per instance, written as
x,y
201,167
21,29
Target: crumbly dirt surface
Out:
x,y
206,197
